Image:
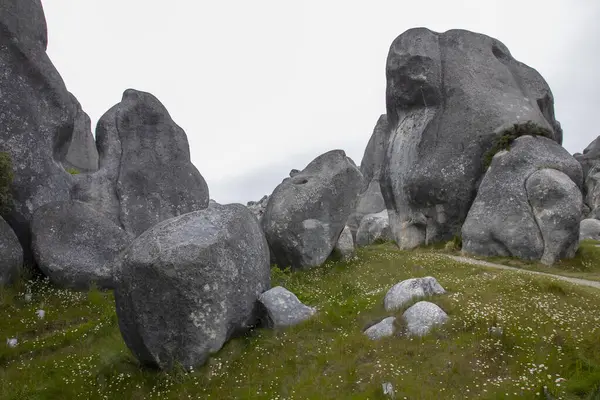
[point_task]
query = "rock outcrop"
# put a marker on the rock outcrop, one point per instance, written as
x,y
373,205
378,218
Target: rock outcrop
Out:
x,y
402,293
449,97
373,228
306,214
11,254
75,246
589,229
528,204
190,283
258,207
281,308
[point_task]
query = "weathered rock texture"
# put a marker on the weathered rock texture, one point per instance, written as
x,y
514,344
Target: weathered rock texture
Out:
x,y
75,246
590,163
345,244
11,254
402,293
589,229
37,113
422,317
449,95
373,228
382,329
82,155
190,283
281,308
306,214
528,205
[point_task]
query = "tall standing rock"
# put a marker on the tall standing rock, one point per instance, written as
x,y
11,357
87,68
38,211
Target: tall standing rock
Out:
x,y
157,179
190,283
528,205
306,214
37,113
448,97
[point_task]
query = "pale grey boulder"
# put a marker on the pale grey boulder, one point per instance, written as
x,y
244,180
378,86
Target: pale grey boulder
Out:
x,y
37,114
306,214
501,221
190,283
345,244
422,317
373,228
11,254
157,179
404,292
382,329
76,246
369,202
281,308
556,202
449,96
589,229
82,154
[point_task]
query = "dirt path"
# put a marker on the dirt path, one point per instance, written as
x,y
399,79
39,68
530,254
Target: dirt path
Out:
x,y
576,281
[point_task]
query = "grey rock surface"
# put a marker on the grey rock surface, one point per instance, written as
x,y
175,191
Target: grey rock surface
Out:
x,y
374,227
82,154
345,244
556,202
306,214
190,283
501,221
373,159
369,202
590,163
281,308
409,289
157,179
11,254
258,207
589,229
37,114
382,329
75,246
449,96
422,317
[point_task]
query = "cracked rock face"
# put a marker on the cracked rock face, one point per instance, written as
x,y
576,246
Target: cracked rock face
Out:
x,y
306,214
528,205
281,308
449,95
190,283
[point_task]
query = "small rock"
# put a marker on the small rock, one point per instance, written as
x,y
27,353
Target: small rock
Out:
x,y
11,342
345,244
40,314
388,390
382,329
282,308
405,291
495,331
423,316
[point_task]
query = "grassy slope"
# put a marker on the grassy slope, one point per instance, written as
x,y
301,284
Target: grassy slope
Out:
x,y
551,331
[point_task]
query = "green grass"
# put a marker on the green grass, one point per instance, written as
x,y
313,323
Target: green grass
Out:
x,y
73,171
551,331
585,264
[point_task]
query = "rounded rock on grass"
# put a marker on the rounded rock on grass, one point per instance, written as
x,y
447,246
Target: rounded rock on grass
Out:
x,y
405,291
422,317
382,329
281,308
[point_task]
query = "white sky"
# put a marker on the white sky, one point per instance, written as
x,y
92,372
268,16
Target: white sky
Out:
x,y
261,87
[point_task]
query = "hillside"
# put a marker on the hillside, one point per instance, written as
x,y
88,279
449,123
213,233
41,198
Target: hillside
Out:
x,y
550,332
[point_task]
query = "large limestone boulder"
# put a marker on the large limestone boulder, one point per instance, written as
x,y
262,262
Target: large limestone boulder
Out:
x,y
306,214
373,228
528,205
382,329
76,246
11,254
449,97
37,114
589,229
190,283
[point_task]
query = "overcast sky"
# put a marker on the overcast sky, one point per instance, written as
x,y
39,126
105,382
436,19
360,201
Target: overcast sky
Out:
x,y
261,87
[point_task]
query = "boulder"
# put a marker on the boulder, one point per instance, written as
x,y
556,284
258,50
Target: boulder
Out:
x,y
382,329
11,254
190,283
450,96
404,292
37,114
306,214
522,209
556,203
75,246
281,308
373,228
82,154
157,179
589,229
422,317
345,244
369,202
